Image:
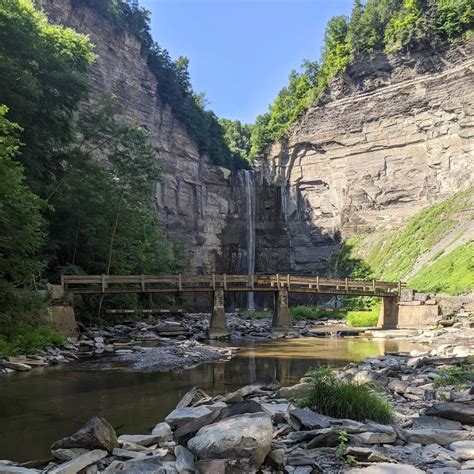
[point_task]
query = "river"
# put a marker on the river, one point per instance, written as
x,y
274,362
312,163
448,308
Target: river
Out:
x,y
41,406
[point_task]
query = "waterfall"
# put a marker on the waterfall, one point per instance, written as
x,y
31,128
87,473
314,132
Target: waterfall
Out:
x,y
250,226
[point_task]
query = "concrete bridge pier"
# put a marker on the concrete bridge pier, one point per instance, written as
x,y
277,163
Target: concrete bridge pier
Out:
x,y
388,316
218,324
281,314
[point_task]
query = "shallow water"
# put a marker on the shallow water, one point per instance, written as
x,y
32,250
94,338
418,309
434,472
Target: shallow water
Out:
x,y
41,406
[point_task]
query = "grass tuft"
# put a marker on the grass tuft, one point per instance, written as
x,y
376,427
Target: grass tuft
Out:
x,y
459,376
256,314
313,314
360,319
340,399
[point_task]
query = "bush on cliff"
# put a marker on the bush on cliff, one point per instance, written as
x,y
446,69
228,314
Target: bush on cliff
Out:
x,y
340,399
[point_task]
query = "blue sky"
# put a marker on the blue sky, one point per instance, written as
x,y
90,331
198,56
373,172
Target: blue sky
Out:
x,y
241,51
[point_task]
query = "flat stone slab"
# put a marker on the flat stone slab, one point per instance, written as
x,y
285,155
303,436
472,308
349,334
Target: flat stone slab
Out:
x,y
80,462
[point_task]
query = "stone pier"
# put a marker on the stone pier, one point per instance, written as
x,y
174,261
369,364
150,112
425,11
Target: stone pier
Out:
x,y
388,317
281,313
218,325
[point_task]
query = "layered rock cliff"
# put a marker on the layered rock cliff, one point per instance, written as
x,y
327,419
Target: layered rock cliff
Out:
x,y
193,195
390,137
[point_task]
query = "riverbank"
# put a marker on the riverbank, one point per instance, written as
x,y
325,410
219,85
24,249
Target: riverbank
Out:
x,y
260,426
179,341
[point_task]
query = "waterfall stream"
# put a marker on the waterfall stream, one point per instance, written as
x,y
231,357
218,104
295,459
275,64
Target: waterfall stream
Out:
x,y
250,227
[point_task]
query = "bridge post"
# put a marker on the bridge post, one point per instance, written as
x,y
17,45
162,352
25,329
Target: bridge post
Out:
x,y
218,325
281,314
388,316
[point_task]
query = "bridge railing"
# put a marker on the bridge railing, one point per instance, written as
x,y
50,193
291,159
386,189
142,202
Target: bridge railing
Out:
x,y
201,283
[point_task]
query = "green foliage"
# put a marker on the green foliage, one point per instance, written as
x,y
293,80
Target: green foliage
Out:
x,y
21,223
313,314
452,273
23,328
459,376
103,220
454,17
237,136
43,76
406,28
367,318
340,399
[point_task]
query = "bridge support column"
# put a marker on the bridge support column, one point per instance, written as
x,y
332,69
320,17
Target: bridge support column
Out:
x,y
281,314
218,325
388,316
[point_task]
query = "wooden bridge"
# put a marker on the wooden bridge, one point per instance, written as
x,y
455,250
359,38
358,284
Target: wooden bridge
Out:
x,y
279,284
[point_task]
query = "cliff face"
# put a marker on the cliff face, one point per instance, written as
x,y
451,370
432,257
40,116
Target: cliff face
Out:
x,y
192,198
389,138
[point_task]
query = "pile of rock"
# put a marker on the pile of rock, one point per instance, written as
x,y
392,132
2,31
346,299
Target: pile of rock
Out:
x,y
260,428
173,342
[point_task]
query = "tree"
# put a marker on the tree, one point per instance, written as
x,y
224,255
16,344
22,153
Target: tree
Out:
x,y
21,223
43,77
337,51
454,17
407,28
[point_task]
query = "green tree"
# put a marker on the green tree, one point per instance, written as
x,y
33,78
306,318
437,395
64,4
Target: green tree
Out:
x,y
21,224
454,17
337,51
43,76
407,28
237,136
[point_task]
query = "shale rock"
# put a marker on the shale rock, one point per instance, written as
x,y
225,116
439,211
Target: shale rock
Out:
x,y
97,433
241,436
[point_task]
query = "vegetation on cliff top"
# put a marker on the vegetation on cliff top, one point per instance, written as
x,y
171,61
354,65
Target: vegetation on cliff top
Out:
x,y
374,26
174,83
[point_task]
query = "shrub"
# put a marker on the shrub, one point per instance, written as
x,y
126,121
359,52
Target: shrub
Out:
x,y
340,399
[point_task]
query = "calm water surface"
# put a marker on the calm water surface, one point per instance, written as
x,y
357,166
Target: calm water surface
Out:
x,y
41,406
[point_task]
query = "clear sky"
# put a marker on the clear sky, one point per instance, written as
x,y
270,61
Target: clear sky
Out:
x,y
241,51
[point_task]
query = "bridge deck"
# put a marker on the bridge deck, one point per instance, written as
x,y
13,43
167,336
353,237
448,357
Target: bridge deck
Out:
x,y
113,284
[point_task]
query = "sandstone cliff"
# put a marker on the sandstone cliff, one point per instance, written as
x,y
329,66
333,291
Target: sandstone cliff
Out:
x,y
390,137
192,198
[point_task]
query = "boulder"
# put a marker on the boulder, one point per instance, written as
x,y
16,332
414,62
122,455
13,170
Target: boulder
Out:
x,y
306,419
181,416
67,454
430,436
462,412
188,430
79,462
97,433
278,411
276,459
18,366
162,429
294,392
434,422
10,469
463,449
327,437
241,436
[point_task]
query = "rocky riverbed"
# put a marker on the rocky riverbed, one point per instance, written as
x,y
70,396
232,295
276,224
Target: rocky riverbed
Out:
x,y
178,341
260,428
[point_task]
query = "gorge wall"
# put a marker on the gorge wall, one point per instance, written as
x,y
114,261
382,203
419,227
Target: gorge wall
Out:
x,y
389,137
192,198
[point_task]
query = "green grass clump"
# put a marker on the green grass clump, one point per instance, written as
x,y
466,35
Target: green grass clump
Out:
x,y
452,274
30,339
340,399
256,314
366,318
459,376
313,314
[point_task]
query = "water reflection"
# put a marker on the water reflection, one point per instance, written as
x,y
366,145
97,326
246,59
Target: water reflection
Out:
x,y
40,407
